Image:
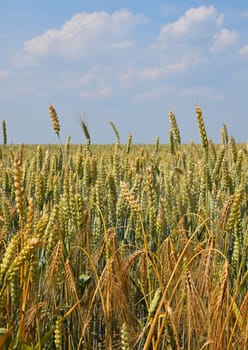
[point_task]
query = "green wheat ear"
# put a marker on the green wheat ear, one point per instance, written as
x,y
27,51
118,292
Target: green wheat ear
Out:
x,y
201,126
175,128
86,131
4,129
124,337
115,131
157,144
172,142
224,135
129,142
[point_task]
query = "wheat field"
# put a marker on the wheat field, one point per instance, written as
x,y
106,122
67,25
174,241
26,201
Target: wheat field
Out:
x,y
124,246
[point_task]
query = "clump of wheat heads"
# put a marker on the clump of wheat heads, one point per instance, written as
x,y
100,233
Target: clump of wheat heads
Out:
x,y
116,246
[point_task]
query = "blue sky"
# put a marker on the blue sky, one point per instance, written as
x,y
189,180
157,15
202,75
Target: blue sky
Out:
x,y
127,61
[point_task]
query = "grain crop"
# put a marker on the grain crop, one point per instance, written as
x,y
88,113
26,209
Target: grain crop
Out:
x,y
124,246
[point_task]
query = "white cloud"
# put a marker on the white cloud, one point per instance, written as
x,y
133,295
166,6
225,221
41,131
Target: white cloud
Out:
x,y
152,73
244,50
193,36
223,39
157,73
177,67
101,36
125,75
102,92
90,77
83,34
202,92
220,19
154,93
124,44
195,23
95,83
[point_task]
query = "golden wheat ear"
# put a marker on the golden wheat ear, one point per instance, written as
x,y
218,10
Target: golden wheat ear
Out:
x,y
55,119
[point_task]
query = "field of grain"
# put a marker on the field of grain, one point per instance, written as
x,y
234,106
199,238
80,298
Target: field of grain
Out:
x,y
124,246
